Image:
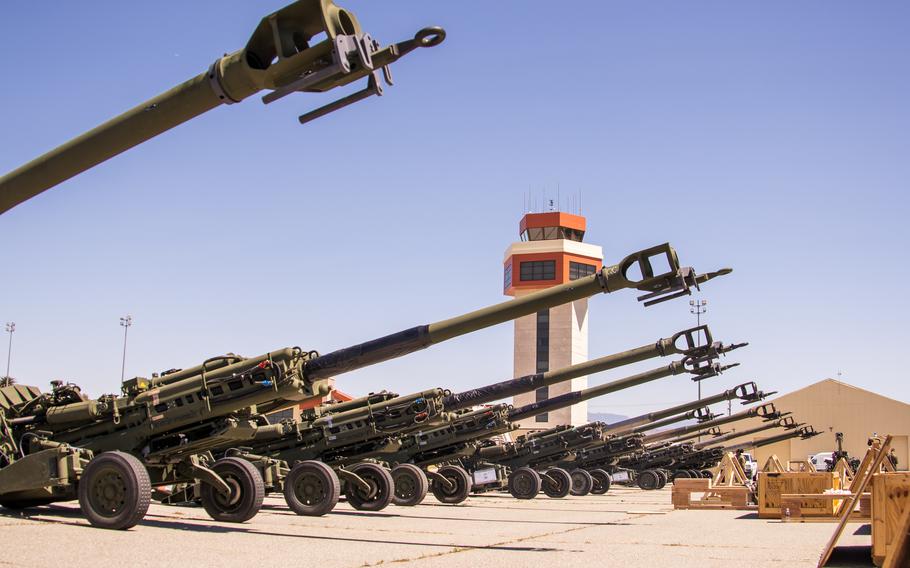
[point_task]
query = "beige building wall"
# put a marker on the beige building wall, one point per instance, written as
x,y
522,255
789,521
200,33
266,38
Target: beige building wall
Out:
x,y
832,406
568,346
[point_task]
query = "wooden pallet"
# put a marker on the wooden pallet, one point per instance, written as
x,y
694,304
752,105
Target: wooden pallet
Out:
x,y
713,497
792,505
871,464
890,498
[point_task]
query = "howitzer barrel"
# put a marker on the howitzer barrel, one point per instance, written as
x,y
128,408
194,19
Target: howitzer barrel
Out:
x,y
278,56
575,397
797,433
766,411
701,414
785,422
745,391
659,287
527,383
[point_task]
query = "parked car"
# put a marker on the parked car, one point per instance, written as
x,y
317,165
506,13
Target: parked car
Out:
x,y
821,460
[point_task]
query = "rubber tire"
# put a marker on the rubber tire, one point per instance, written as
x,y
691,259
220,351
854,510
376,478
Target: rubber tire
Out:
x,y
681,474
648,480
463,485
662,477
247,491
524,483
380,480
315,475
582,482
411,485
564,480
602,481
706,474
136,485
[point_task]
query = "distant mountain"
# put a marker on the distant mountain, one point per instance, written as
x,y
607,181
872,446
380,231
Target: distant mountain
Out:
x,y
605,417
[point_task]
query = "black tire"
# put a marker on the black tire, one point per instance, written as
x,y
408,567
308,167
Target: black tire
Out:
x,y
557,483
114,491
382,488
648,480
582,482
706,474
247,491
411,485
312,488
524,483
662,478
602,481
462,481
681,474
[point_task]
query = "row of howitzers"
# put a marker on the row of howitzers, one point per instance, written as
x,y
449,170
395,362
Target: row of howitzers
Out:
x,y
201,435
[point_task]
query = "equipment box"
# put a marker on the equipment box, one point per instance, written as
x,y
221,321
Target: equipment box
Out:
x,y
772,485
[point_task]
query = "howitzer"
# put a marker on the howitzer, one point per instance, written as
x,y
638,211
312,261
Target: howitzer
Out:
x,y
714,432
687,342
382,430
766,411
786,422
803,432
167,424
308,46
746,392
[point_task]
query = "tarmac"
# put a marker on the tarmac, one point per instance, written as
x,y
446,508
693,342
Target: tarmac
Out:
x,y
626,527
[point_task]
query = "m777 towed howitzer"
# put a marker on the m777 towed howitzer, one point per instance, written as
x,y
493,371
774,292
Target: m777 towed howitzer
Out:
x,y
766,411
786,422
377,427
308,46
166,426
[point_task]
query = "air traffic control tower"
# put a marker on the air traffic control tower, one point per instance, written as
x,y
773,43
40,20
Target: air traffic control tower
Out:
x,y
551,252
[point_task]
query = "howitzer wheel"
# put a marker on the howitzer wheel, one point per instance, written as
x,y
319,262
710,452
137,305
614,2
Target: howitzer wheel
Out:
x,y
682,474
312,488
247,491
459,478
382,488
662,478
582,482
524,483
411,485
648,480
557,483
706,474
602,481
114,491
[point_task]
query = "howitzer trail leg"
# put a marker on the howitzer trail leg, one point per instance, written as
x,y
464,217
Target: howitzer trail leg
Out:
x,y
312,488
602,481
115,491
582,482
381,487
411,485
557,483
459,487
247,490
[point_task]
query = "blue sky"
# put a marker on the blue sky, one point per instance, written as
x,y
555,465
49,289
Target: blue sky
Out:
x,y
771,137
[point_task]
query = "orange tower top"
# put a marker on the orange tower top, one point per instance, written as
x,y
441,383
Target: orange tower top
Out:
x,y
551,252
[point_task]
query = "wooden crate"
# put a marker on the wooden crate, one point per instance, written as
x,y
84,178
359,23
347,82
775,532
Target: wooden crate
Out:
x,y
772,485
890,496
714,497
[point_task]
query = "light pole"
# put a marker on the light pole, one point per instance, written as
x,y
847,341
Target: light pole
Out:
x,y
698,307
126,322
10,328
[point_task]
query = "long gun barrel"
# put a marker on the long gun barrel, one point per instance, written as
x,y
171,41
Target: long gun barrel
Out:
x,y
786,422
658,287
279,57
804,433
747,392
575,397
685,342
766,411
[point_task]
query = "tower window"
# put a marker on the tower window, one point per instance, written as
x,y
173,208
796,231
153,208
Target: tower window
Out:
x,y
543,357
580,270
507,276
538,270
